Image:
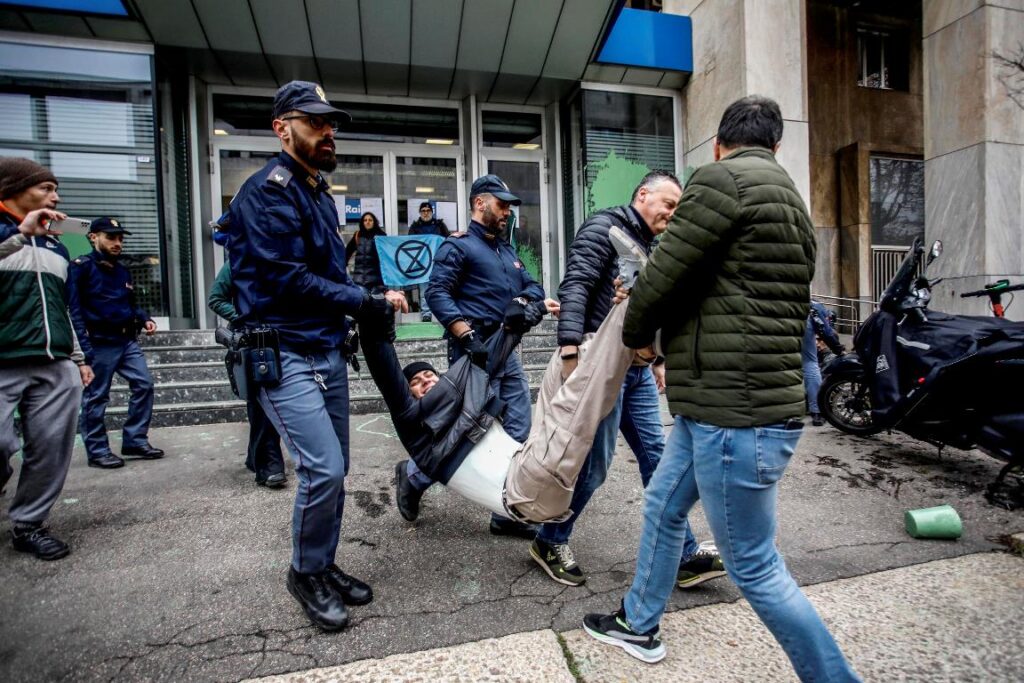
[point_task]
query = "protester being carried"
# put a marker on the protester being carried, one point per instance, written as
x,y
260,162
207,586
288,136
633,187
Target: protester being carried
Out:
x,y
452,435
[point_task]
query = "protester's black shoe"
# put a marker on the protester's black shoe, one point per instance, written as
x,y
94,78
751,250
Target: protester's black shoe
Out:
x,y
704,566
425,317
613,629
557,560
38,541
352,591
106,462
817,420
145,451
273,481
407,496
502,526
322,604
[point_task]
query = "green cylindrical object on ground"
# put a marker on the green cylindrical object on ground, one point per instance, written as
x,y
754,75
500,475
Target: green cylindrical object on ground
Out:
x,y
936,522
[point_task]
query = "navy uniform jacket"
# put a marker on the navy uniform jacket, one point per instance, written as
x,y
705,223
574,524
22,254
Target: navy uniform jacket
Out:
x,y
474,279
288,258
102,302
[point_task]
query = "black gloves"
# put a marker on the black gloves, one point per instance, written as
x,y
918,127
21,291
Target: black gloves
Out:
x,y
515,316
474,348
377,315
535,312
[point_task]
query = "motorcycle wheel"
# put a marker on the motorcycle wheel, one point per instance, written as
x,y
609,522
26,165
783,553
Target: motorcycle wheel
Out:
x,y
845,403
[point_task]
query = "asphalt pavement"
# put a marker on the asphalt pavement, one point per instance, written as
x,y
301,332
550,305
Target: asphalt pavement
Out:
x,y
177,566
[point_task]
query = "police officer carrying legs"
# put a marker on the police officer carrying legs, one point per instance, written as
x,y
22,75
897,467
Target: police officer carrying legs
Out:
x,y
288,263
107,321
477,285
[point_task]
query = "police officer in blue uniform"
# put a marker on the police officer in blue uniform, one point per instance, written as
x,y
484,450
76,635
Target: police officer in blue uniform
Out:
x,y
107,322
477,285
288,263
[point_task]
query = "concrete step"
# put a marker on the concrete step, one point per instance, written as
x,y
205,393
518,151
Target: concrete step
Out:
x,y
192,387
199,413
211,366
218,389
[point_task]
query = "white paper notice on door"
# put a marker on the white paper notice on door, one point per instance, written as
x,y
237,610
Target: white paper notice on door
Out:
x,y
449,213
374,205
339,202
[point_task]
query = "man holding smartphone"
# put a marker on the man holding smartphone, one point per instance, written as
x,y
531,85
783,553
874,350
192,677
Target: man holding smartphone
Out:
x,y
108,320
38,353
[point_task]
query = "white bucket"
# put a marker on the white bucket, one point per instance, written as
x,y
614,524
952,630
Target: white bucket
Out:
x,y
481,476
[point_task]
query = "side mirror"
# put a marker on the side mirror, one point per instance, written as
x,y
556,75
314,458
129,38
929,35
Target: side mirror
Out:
x,y
935,252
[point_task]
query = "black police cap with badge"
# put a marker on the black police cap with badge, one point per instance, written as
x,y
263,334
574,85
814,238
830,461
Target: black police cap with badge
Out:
x,y
110,226
308,98
492,184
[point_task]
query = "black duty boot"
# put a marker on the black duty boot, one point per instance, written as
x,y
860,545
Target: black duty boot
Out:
x,y
38,541
407,496
273,481
321,603
146,451
106,462
352,591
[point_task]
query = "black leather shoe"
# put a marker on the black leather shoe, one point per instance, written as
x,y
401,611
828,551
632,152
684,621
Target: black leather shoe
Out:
x,y
273,481
817,420
352,591
407,496
39,542
106,462
321,603
502,526
145,451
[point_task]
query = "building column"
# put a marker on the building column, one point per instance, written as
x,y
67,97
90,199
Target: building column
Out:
x,y
974,148
747,47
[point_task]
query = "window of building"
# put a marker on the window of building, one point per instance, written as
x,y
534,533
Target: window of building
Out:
x,y
897,201
649,5
624,136
88,115
251,115
882,59
518,130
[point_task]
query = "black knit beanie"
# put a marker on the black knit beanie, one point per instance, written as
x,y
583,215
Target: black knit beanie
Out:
x,y
18,174
415,367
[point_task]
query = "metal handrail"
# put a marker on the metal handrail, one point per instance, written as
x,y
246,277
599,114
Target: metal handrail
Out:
x,y
850,312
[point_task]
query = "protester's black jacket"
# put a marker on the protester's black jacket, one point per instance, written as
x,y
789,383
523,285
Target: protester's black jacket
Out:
x,y
366,271
439,429
586,291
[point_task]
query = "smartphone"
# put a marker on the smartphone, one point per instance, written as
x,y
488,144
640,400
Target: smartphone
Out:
x,y
72,226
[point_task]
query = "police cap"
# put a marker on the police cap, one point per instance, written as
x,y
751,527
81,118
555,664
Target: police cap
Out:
x,y
492,184
111,226
308,98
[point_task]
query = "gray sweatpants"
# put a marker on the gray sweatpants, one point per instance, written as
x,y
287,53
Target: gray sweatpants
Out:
x,y
47,396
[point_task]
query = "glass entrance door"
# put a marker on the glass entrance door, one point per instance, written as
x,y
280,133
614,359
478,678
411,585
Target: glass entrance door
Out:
x,y
357,185
529,235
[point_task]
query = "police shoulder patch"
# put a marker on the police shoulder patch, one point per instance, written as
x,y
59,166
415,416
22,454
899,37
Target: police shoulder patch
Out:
x,y
280,175
460,234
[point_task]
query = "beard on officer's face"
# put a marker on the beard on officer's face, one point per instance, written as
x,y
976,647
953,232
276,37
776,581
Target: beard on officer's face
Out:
x,y
316,150
494,223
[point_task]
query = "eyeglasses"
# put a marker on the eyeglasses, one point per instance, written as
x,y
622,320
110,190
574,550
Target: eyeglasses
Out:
x,y
315,122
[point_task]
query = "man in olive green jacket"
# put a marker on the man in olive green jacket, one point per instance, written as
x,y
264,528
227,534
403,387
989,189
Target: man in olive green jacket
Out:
x,y
728,288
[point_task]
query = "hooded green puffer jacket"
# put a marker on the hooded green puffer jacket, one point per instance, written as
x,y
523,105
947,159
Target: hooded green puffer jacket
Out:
x,y
729,287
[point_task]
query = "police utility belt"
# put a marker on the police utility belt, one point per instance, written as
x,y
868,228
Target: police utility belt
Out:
x,y
253,359
102,328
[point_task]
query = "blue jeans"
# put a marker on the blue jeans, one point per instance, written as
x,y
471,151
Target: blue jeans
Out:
x,y
638,414
734,472
125,359
812,373
264,455
314,425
